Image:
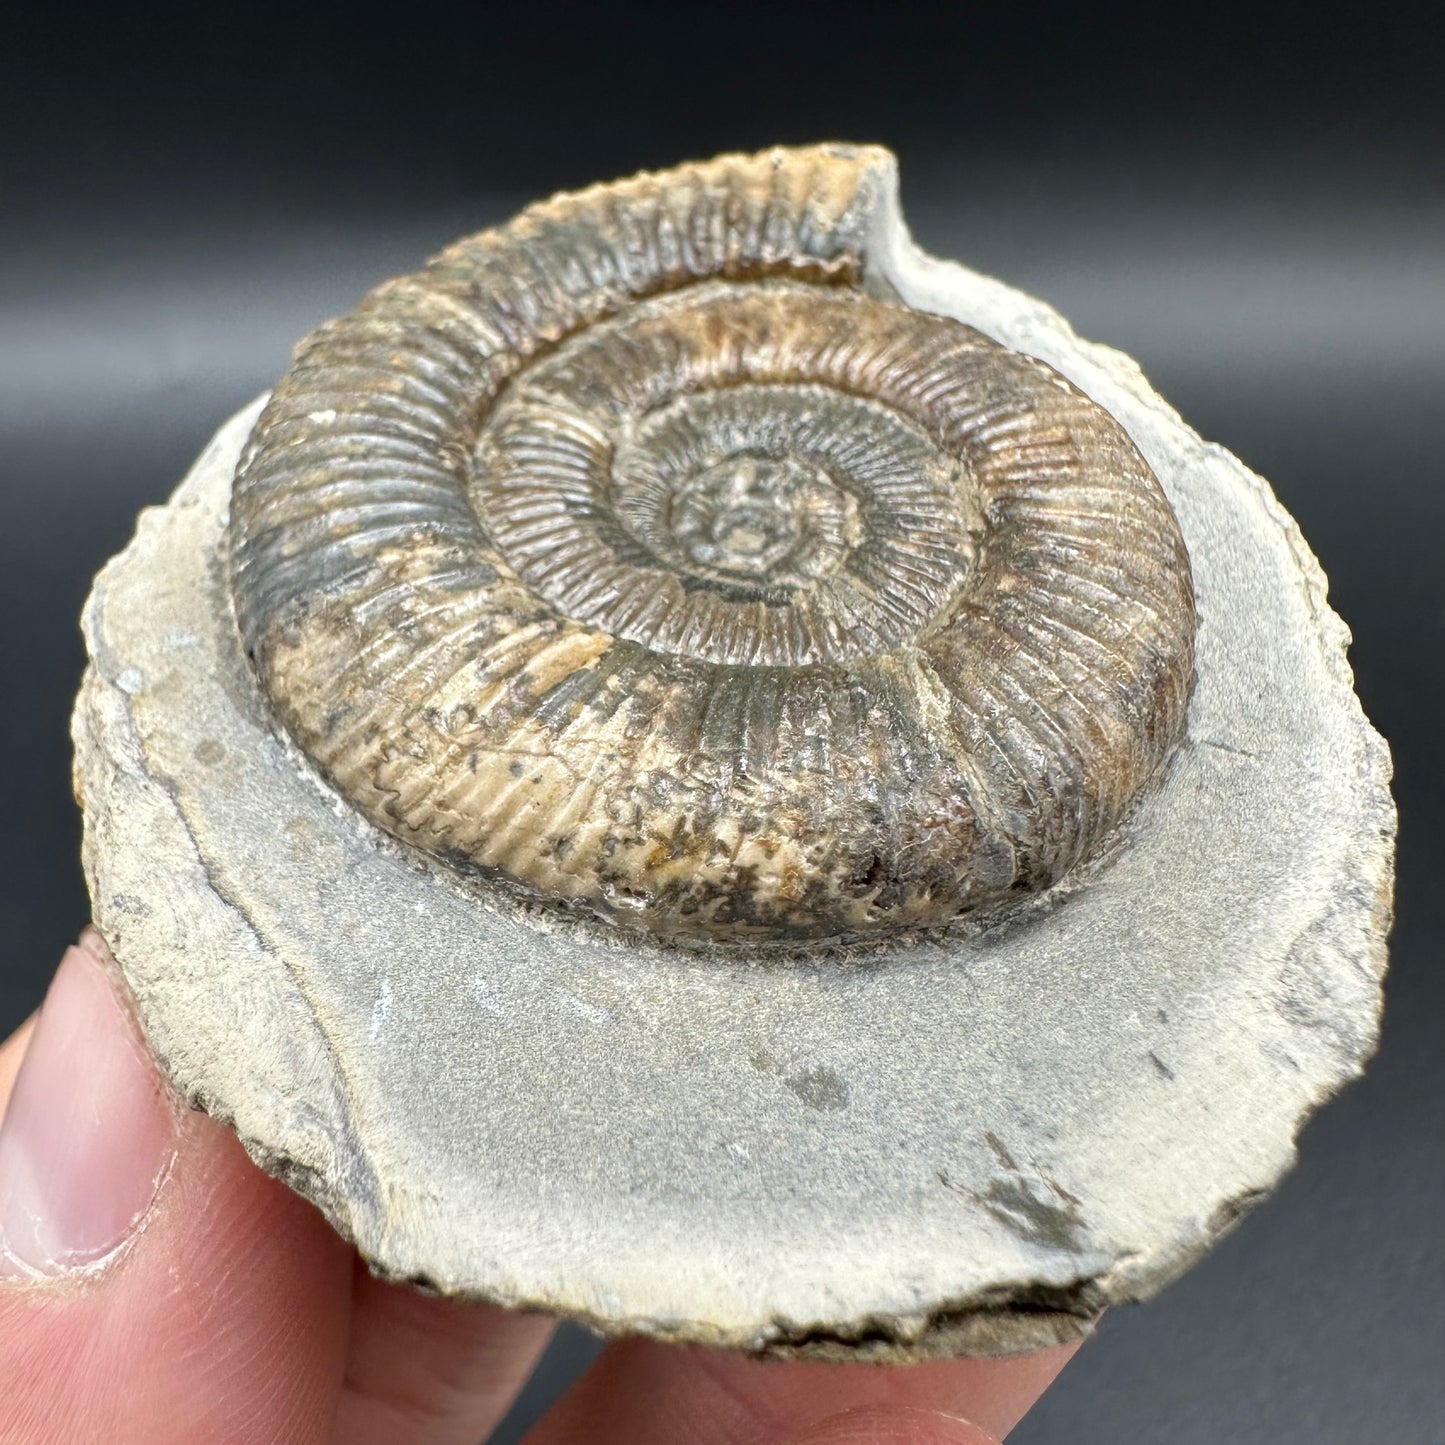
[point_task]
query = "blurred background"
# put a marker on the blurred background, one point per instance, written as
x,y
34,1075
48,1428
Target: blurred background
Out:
x,y
1251,202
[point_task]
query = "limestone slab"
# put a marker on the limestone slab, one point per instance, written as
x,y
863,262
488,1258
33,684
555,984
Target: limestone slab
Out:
x,y
971,1144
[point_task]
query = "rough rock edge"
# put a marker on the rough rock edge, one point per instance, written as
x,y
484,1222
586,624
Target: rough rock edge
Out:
x,y
110,762
993,1322
1362,945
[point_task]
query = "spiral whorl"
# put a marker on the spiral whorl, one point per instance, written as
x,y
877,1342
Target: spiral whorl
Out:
x,y
634,554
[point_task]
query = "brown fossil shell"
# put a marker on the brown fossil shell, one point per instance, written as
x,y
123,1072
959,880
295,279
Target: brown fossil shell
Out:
x,y
637,554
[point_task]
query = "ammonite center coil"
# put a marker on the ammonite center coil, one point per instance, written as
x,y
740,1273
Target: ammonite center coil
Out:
x,y
638,555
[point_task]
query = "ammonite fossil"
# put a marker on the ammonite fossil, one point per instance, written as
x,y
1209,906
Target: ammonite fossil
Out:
x,y
671,773
644,555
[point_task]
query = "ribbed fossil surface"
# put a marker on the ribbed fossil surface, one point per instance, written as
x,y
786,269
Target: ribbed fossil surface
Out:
x,y
634,555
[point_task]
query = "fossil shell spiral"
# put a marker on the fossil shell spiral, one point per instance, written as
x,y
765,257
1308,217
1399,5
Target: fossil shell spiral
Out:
x,y
646,556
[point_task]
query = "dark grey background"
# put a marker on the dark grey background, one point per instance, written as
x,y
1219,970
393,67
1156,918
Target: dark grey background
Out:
x,y
1251,203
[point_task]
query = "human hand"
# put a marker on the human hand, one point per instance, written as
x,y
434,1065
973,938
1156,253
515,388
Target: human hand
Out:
x,y
156,1287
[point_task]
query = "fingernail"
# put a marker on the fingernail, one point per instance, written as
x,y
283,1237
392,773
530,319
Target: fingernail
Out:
x,y
897,1424
89,1132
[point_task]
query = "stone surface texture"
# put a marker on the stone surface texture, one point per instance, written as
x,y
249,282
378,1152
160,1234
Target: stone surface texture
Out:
x,y
964,1144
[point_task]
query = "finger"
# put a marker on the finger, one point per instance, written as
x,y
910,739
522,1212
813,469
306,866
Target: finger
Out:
x,y
431,1371
643,1393
154,1285
11,1053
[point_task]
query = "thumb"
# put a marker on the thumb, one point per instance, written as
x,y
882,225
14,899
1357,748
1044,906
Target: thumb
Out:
x,y
154,1286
